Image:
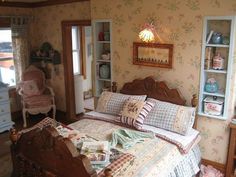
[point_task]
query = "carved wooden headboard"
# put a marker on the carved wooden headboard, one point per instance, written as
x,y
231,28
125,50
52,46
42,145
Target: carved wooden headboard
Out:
x,y
153,89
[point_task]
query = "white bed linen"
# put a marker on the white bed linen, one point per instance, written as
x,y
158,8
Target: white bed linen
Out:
x,y
183,142
101,116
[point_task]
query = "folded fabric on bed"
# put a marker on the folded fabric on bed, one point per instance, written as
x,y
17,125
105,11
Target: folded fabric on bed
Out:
x,y
119,165
112,103
43,123
128,138
176,118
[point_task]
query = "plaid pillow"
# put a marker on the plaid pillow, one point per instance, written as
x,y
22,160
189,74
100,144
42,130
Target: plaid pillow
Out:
x,y
112,103
171,117
134,112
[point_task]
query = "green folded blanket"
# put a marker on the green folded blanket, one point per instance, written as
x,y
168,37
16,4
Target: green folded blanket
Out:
x,y
128,138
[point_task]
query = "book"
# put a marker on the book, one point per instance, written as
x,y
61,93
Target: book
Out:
x,y
98,152
208,57
209,36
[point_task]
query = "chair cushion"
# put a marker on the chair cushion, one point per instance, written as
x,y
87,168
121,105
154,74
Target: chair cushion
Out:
x,y
30,88
38,101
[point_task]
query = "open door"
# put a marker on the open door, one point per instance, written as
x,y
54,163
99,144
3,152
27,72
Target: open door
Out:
x,y
74,55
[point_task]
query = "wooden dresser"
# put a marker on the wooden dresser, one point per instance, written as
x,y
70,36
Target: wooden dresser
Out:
x,y
231,160
5,113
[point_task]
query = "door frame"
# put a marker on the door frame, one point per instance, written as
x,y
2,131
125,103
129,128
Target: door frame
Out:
x,y
68,64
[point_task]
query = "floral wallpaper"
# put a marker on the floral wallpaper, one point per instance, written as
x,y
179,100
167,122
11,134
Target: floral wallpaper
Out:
x,y
47,27
178,22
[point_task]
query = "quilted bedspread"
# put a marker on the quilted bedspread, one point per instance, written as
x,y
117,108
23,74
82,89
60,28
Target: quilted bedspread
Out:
x,y
153,157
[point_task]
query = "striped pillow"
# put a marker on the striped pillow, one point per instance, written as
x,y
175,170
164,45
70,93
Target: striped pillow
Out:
x,y
134,112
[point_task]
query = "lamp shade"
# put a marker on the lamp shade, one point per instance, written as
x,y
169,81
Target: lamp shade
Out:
x,y
146,34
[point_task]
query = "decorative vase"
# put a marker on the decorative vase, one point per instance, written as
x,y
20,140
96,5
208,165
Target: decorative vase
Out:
x,y
217,38
225,40
211,86
104,71
106,36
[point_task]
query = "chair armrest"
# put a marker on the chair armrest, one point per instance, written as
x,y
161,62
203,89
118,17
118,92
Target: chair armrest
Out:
x,y
51,90
20,92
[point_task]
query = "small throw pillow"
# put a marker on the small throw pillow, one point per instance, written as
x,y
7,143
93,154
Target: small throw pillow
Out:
x,y
134,112
30,88
172,117
112,103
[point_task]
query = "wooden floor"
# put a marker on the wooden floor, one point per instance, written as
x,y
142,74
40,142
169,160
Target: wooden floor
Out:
x,y
5,157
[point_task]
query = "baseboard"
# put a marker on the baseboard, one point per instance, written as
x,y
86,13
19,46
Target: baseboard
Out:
x,y
216,165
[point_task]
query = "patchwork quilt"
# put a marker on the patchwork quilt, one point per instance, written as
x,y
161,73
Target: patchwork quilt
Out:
x,y
153,157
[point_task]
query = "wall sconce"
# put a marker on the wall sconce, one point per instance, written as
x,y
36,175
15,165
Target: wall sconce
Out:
x,y
147,34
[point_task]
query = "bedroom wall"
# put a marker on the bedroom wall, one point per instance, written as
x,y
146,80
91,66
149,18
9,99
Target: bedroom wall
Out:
x,y
178,22
47,27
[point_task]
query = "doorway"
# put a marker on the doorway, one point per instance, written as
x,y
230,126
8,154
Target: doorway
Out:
x,y
77,54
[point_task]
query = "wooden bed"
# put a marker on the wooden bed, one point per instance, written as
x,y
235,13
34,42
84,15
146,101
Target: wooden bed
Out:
x,y
43,153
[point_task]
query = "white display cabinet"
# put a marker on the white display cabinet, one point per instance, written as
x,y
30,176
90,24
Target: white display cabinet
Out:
x,y
102,55
216,64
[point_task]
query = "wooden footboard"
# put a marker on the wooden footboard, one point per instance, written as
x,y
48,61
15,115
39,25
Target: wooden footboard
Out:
x,y
44,153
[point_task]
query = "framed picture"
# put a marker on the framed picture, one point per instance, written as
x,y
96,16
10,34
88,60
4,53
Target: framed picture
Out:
x,y
153,54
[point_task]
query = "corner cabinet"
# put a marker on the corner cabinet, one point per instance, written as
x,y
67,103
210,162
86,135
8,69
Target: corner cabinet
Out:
x,y
102,55
5,112
216,66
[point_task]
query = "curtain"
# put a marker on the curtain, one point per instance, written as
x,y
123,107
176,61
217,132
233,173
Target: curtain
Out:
x,y
20,44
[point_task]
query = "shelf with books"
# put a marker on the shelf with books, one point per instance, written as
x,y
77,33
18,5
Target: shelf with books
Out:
x,y
102,30
216,62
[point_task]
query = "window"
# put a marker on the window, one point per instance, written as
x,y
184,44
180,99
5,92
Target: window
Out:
x,y
7,72
77,66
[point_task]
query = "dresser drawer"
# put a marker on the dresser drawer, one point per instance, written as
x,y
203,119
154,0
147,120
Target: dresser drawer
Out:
x,y
5,118
4,95
4,107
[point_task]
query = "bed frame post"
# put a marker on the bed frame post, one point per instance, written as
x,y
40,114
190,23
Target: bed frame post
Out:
x,y
194,102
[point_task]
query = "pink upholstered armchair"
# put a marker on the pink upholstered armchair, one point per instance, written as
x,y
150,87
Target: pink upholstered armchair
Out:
x,y
36,97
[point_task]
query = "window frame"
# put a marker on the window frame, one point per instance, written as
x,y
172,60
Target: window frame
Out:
x,y
79,49
4,26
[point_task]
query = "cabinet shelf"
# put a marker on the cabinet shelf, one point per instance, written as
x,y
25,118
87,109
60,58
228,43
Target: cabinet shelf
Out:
x,y
217,45
102,47
209,53
101,79
215,71
214,94
221,117
105,61
104,42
